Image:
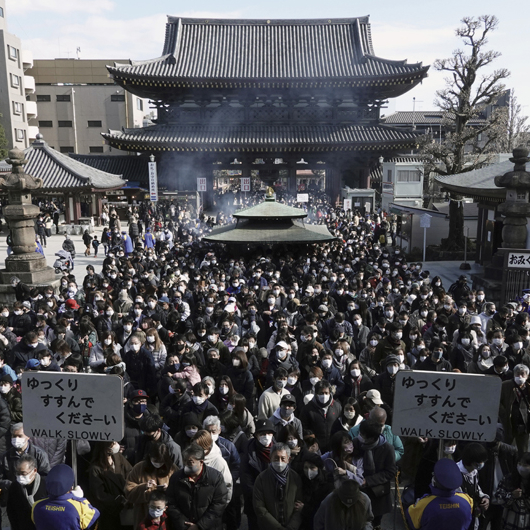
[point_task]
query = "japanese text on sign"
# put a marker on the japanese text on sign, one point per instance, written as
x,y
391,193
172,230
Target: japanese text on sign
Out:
x,y
201,184
153,182
73,406
245,184
446,405
521,261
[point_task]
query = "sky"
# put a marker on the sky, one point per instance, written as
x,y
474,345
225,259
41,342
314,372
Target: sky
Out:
x,y
405,29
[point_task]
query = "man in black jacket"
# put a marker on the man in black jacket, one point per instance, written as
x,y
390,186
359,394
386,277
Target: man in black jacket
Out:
x,y
197,495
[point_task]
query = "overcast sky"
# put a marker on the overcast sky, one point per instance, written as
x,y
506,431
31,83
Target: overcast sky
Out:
x,y
404,29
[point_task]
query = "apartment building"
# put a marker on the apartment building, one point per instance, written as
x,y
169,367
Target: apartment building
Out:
x,y
77,100
15,86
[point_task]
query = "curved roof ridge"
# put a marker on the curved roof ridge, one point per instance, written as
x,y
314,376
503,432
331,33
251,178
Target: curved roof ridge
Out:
x,y
57,159
399,62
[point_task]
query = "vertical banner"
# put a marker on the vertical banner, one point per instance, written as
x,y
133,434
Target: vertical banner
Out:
x,y
201,184
153,182
245,184
347,205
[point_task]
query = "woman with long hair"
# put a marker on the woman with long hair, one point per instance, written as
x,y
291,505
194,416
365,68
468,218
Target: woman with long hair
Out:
x,y
223,393
107,475
148,475
239,406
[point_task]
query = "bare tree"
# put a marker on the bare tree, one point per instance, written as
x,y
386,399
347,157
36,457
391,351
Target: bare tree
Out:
x,y
464,101
516,128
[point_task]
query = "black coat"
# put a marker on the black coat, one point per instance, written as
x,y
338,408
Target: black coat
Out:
x,y
18,507
203,503
243,383
22,353
141,369
313,418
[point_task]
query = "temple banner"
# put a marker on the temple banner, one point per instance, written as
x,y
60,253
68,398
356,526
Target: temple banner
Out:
x,y
153,182
245,184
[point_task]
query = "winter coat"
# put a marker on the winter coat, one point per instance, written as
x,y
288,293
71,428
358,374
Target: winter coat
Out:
x,y
203,503
55,449
279,422
215,460
18,507
14,402
231,456
315,419
270,508
332,513
144,443
141,369
243,382
11,457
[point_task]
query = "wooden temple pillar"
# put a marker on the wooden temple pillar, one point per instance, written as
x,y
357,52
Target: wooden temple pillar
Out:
x,y
333,182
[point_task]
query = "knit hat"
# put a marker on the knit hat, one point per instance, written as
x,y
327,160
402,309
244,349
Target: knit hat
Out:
x,y
60,480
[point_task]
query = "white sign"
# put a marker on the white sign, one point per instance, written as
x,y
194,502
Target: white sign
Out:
x,y
446,405
245,184
367,206
153,182
425,220
72,406
201,184
302,197
347,204
518,260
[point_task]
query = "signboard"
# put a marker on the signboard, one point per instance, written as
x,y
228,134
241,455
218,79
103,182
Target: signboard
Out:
x,y
153,182
347,205
357,205
367,207
425,220
201,184
72,406
245,184
519,260
388,187
302,197
446,405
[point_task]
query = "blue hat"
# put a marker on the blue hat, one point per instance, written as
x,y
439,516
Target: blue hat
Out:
x,y
60,480
164,299
32,364
447,474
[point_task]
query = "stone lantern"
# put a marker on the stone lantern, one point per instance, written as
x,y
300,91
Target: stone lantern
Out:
x,y
516,209
24,263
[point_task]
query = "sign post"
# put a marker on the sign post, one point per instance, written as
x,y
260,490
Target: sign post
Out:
x,y
153,180
425,222
70,406
446,405
347,204
201,187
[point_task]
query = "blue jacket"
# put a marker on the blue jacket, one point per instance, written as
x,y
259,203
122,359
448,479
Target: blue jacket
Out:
x,y
390,437
231,455
441,510
66,512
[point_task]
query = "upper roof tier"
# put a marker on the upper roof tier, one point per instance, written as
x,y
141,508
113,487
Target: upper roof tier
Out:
x,y
204,53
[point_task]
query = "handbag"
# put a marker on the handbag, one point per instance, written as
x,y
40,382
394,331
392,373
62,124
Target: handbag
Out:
x,y
381,489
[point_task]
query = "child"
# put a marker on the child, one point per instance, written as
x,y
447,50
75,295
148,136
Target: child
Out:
x,y
156,520
95,246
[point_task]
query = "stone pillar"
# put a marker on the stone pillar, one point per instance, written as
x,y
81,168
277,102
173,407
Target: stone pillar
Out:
x,y
26,264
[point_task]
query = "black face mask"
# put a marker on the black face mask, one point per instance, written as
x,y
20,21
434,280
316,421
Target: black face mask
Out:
x,y
139,408
180,347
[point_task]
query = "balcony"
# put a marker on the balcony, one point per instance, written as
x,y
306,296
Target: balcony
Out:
x,y
27,59
32,132
29,84
31,109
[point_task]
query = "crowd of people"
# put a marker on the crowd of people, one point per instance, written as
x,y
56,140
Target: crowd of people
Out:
x,y
261,381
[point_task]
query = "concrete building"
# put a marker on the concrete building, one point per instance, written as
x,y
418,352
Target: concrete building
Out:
x,y
77,100
402,182
15,86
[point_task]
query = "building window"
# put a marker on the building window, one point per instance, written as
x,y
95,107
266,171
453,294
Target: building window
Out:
x,y
96,149
63,97
65,123
2,12
46,123
94,123
43,97
412,175
389,175
20,134
15,80
13,52
17,107
66,149
117,97
139,104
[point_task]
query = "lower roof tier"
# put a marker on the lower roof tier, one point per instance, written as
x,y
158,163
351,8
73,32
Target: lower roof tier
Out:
x,y
247,138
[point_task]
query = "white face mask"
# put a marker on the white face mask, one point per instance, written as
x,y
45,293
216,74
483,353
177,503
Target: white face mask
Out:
x,y
156,464
115,448
311,473
190,433
466,342
108,341
326,363
18,443
198,400
135,347
156,512
265,439
279,467
4,389
150,338
323,398
314,380
355,372
349,415
24,480
449,450
291,381
392,369
519,380
374,343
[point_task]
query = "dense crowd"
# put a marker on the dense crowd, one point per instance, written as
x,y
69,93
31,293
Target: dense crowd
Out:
x,y
259,381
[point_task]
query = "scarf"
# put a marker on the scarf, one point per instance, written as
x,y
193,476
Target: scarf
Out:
x,y
281,478
31,497
264,453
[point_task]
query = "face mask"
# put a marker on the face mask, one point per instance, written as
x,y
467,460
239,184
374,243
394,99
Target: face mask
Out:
x,y
139,408
466,342
108,341
339,353
279,467
115,448
292,443
485,354
211,338
18,312
236,362
519,380
398,335
480,297
5,314
389,314
424,314
271,301
135,347
392,370
311,473
137,312
326,363
323,398
282,354
447,307
24,480
478,467
265,439
150,339
355,372
314,380
413,337
517,346
156,465
422,358
462,310
349,415
524,471
156,512
374,343
291,381
198,400
280,383
498,342
190,433
192,470
4,389
449,450
18,443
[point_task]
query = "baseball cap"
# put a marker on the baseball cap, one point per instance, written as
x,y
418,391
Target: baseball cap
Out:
x,y
374,396
288,398
139,394
71,304
265,426
32,364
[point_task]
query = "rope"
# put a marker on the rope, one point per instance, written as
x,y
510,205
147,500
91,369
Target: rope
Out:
x,y
398,493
